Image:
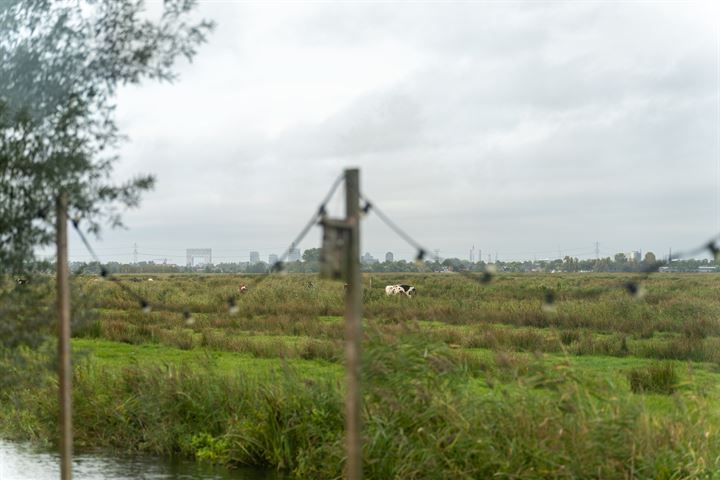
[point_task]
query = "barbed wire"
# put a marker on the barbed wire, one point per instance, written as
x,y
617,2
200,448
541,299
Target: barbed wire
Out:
x,y
144,304
232,302
633,287
421,251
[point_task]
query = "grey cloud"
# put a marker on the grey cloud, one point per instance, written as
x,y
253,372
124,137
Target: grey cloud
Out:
x,y
374,123
524,127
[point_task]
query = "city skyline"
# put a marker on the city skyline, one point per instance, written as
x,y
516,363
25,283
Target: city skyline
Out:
x,y
522,130
246,255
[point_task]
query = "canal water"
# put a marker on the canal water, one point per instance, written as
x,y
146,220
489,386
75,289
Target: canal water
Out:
x,y
19,461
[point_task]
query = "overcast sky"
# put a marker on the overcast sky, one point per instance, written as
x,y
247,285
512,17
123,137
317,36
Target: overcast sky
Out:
x,y
525,129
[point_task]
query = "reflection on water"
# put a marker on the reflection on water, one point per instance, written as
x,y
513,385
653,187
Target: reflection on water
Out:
x,y
22,462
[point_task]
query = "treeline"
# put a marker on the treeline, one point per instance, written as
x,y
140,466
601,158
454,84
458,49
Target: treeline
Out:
x,y
312,265
567,264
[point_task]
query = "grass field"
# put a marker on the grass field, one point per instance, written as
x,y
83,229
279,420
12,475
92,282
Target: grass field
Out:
x,y
466,380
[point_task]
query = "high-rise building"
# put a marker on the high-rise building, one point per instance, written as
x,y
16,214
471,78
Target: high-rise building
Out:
x,y
294,255
254,258
272,259
389,257
634,256
368,259
199,256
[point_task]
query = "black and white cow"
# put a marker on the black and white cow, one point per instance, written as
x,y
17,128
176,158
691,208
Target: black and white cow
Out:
x,y
407,290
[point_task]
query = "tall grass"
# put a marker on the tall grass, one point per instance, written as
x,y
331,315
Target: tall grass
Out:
x,y
593,315
425,416
455,382
656,378
594,302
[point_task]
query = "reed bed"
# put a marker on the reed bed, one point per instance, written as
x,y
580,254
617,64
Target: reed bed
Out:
x,y
427,414
467,380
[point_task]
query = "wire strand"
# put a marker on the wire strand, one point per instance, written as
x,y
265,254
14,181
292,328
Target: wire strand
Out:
x,y
393,226
277,267
632,286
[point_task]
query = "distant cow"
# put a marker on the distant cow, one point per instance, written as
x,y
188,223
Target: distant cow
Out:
x,y
242,288
407,290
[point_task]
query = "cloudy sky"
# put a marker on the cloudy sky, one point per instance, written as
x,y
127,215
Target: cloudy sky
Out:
x,y
525,129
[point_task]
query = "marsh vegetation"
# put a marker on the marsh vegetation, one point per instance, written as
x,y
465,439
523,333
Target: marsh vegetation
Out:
x,y
466,380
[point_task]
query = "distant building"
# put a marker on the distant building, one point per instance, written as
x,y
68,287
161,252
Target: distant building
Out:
x,y
254,258
198,256
294,255
707,269
634,256
272,259
389,257
368,259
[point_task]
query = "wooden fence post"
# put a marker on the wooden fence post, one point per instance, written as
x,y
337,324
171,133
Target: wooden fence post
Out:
x,y
65,369
353,330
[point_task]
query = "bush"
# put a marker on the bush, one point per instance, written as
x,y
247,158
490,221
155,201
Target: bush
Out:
x,y
655,378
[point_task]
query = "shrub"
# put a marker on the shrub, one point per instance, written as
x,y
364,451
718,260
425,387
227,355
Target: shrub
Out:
x,y
655,378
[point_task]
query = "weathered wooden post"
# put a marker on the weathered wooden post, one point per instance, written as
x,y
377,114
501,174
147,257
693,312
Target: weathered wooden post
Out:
x,y
353,328
340,260
65,369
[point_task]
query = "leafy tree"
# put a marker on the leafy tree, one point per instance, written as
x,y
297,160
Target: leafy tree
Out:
x,y
378,267
61,64
311,259
569,264
649,258
311,255
259,267
603,265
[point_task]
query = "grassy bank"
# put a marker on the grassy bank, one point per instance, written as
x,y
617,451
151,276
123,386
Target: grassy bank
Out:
x,y
430,412
466,381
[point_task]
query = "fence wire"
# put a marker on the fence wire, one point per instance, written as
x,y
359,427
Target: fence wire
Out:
x,y
232,302
633,286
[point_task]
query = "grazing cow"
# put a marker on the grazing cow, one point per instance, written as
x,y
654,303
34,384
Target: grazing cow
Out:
x,y
407,290
242,288
150,280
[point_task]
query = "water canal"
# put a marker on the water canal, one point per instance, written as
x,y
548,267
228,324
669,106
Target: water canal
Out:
x,y
20,461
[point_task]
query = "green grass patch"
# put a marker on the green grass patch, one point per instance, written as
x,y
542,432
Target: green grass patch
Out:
x,y
118,355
